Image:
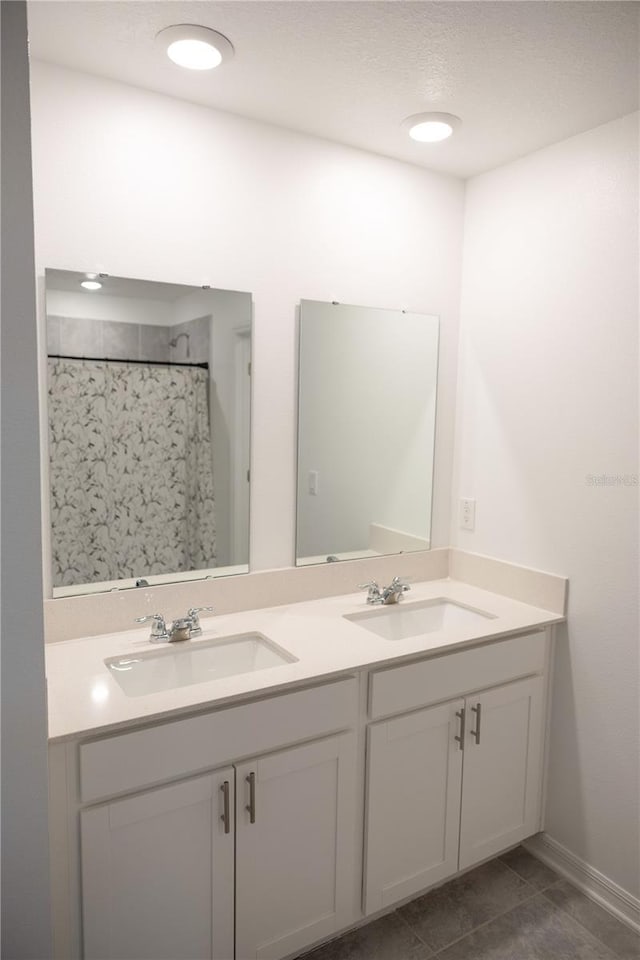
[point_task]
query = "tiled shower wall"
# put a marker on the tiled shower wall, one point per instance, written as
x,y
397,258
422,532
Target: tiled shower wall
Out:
x,y
73,337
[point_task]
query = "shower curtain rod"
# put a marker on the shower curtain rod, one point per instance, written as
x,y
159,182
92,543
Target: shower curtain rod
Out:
x,y
152,363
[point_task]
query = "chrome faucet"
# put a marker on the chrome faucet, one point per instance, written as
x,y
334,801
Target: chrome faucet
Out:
x,y
391,594
183,628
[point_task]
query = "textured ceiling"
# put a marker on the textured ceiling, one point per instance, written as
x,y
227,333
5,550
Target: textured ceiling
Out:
x,y
521,75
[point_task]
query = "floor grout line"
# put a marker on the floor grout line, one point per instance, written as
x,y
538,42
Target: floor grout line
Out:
x,y
524,879
414,932
434,954
486,923
614,954
580,923
501,914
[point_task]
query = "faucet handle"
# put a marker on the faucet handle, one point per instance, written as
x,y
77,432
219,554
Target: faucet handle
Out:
x,y
401,582
194,611
158,626
374,595
193,614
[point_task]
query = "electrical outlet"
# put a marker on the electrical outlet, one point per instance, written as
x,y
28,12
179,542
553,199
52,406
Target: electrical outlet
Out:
x,y
467,514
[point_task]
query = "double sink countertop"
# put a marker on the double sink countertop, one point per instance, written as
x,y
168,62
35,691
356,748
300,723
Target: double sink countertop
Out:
x,y
85,699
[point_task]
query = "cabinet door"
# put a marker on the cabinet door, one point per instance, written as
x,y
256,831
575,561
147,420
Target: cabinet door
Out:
x,y
502,769
157,874
295,847
413,803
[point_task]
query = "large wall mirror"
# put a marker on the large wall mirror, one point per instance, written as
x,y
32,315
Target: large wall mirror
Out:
x,y
366,431
149,404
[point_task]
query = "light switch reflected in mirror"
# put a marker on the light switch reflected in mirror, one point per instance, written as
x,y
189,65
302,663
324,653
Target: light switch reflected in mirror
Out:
x,y
366,431
149,425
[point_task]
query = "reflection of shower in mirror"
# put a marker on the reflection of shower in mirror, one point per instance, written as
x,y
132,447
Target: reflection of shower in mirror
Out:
x,y
148,444
174,342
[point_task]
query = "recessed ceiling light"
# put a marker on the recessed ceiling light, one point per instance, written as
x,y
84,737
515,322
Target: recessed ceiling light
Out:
x,y
91,284
194,47
431,127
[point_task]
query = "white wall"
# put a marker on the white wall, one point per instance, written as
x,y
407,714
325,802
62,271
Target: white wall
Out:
x,y
142,185
549,396
367,417
26,931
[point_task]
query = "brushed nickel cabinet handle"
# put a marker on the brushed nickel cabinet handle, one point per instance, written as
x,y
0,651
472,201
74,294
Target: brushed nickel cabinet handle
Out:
x,y
478,712
251,806
460,714
225,814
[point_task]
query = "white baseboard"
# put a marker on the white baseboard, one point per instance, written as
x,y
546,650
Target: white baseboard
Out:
x,y
586,878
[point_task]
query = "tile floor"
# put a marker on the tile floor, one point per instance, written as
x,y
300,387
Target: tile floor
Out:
x,y
512,908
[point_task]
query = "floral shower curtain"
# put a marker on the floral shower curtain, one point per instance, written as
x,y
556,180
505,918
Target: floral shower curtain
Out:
x,y
131,470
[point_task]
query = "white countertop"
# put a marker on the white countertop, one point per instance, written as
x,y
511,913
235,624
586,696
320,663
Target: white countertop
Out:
x,y
85,699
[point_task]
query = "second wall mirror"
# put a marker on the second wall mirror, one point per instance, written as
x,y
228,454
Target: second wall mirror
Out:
x,y
366,431
149,423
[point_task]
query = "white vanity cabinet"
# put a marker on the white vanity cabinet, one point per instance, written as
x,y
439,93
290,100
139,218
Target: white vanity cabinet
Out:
x,y
453,784
157,874
237,833
502,769
413,804
158,868
295,854
251,860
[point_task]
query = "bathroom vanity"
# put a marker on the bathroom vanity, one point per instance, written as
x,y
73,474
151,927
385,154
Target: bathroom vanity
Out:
x,y
251,814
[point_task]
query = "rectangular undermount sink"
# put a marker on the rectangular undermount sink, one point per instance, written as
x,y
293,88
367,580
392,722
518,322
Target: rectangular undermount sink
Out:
x,y
182,664
402,620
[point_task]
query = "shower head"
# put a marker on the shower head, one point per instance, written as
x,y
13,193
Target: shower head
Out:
x,y
174,342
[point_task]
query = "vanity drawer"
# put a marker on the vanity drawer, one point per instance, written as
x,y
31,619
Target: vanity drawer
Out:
x,y
453,674
124,763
